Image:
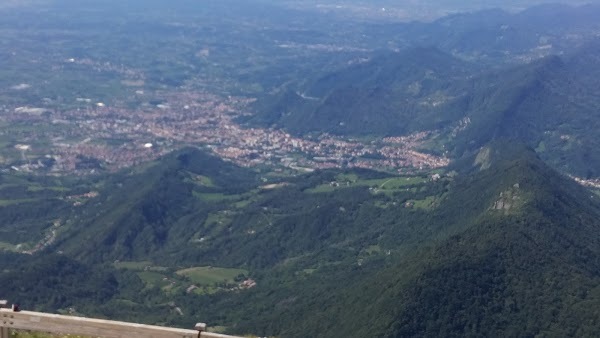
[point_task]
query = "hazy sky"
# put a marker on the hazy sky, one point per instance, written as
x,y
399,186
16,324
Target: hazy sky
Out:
x,y
394,10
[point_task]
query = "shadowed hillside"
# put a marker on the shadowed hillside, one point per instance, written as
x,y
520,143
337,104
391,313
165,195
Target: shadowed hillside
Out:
x,y
549,104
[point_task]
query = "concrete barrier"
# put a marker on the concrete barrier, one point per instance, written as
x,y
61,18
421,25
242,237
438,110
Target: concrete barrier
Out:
x,y
60,324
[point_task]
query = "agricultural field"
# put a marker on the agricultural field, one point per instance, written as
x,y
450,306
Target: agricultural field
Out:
x,y
384,185
208,279
208,275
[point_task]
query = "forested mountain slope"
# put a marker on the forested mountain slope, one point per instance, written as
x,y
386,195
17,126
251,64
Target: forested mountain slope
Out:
x,y
392,94
507,246
159,208
528,264
549,104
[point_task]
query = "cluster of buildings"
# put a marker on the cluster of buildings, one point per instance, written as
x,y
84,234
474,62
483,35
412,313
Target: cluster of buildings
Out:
x,y
118,136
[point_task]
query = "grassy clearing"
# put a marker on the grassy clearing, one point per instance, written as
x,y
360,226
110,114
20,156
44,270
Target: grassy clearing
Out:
x,y
208,275
243,203
309,271
428,203
247,198
384,185
4,203
6,246
206,290
215,197
36,188
216,221
372,249
153,278
217,218
237,200
201,180
541,147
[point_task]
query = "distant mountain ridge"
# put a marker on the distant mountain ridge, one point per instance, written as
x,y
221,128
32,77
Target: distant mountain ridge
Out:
x,y
550,104
502,242
391,94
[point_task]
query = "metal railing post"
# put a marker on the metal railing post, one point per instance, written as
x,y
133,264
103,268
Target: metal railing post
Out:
x,y
201,327
4,332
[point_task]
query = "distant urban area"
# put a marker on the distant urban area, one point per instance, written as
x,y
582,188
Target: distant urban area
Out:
x,y
97,136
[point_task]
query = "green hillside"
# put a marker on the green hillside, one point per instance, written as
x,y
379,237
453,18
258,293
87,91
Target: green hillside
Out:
x,y
138,214
502,242
508,246
392,94
549,104
522,260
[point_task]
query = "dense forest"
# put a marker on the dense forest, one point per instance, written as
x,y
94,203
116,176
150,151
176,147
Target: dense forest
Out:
x,y
549,104
490,248
153,222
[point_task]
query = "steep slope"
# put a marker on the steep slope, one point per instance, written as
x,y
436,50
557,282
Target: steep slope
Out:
x,y
551,105
529,265
509,246
51,282
140,214
524,259
392,94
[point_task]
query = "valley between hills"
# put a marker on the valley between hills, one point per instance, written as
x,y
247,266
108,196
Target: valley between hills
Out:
x,y
292,170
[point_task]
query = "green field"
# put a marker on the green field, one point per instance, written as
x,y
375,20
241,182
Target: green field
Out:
x,y
425,204
217,220
215,197
36,188
208,275
153,278
383,185
204,181
6,246
238,200
205,276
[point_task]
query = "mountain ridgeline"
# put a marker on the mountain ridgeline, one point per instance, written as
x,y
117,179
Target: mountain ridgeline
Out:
x,y
140,214
390,95
511,250
549,104
502,241
508,246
